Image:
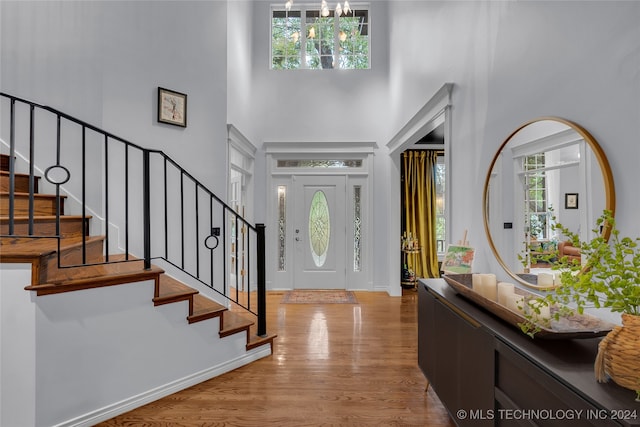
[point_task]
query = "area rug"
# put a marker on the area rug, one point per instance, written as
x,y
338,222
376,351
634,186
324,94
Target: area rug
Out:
x,y
319,297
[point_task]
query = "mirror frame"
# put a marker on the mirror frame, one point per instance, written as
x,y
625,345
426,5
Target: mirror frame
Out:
x,y
607,175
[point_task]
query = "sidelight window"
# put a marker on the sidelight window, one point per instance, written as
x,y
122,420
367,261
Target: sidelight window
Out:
x,y
357,228
282,227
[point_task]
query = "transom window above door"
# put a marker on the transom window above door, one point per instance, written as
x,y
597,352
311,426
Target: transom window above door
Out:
x,y
308,37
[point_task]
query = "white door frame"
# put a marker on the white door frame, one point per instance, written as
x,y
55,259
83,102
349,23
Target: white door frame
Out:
x,y
280,274
240,160
435,112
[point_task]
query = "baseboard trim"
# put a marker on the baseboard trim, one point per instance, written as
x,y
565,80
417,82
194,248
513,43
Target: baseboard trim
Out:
x,y
118,408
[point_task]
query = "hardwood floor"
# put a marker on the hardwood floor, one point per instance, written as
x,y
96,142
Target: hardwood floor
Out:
x,y
332,364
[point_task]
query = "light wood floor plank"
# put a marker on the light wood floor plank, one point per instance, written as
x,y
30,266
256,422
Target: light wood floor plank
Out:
x,y
333,364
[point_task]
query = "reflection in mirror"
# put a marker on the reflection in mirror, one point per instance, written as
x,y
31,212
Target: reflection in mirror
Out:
x,y
548,171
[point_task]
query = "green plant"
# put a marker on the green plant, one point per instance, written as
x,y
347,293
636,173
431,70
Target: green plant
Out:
x,y
610,276
524,256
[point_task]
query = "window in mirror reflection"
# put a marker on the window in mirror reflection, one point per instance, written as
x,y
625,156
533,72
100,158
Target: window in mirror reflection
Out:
x,y
537,212
440,214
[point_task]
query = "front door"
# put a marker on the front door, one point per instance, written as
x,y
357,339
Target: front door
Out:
x,y
319,232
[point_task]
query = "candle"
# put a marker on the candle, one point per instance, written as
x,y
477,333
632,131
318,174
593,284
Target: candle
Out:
x,y
515,302
545,313
485,285
476,280
489,287
545,279
504,289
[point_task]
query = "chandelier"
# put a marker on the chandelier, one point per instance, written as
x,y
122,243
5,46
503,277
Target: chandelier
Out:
x,y
324,8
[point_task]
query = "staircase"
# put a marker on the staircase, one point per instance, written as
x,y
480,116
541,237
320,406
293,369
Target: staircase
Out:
x,y
98,230
48,255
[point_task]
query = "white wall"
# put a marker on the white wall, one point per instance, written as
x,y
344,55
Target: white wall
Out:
x,y
515,61
90,365
308,106
75,359
510,62
17,347
102,61
241,62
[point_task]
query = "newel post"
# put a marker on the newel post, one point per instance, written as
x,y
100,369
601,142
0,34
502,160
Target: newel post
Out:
x,y
146,209
262,281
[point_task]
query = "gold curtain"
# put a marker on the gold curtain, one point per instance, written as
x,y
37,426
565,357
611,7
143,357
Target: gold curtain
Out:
x,y
420,209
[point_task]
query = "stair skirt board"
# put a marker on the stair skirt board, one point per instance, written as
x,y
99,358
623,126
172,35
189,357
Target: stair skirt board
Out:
x,y
118,408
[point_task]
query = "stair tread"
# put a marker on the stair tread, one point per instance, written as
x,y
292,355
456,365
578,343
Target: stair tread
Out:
x,y
21,182
7,173
109,274
44,217
234,322
25,249
105,272
205,308
172,290
46,226
36,195
257,341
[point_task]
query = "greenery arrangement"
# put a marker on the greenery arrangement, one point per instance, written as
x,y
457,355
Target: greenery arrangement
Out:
x,y
609,278
524,257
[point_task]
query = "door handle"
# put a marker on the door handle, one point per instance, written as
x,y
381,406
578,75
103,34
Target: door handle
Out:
x,y
297,239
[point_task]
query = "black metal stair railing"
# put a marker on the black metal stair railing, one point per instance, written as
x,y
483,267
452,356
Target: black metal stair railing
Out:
x,y
141,201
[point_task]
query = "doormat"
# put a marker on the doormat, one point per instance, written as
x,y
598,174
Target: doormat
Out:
x,y
319,297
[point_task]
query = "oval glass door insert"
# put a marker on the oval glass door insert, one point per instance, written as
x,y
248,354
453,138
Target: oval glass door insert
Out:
x,y
319,228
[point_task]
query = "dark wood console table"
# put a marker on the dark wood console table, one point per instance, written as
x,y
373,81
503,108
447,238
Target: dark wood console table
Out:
x,y
488,373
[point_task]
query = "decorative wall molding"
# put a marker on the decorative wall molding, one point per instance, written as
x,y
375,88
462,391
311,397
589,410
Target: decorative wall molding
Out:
x,y
436,112
240,142
425,120
319,147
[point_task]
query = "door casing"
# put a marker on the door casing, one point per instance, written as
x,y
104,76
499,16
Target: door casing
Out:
x,y
358,273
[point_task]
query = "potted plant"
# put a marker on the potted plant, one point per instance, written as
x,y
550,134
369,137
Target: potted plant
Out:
x,y
609,277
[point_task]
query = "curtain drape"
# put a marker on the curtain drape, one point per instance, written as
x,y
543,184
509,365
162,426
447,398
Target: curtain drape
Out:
x,y
420,209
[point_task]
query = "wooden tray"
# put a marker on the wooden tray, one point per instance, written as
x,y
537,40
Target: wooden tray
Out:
x,y
567,327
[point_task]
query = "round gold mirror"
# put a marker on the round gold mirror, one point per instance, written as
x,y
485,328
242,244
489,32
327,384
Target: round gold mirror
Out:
x,y
549,170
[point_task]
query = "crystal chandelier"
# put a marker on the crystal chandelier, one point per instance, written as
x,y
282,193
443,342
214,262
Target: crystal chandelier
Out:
x,y
324,8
